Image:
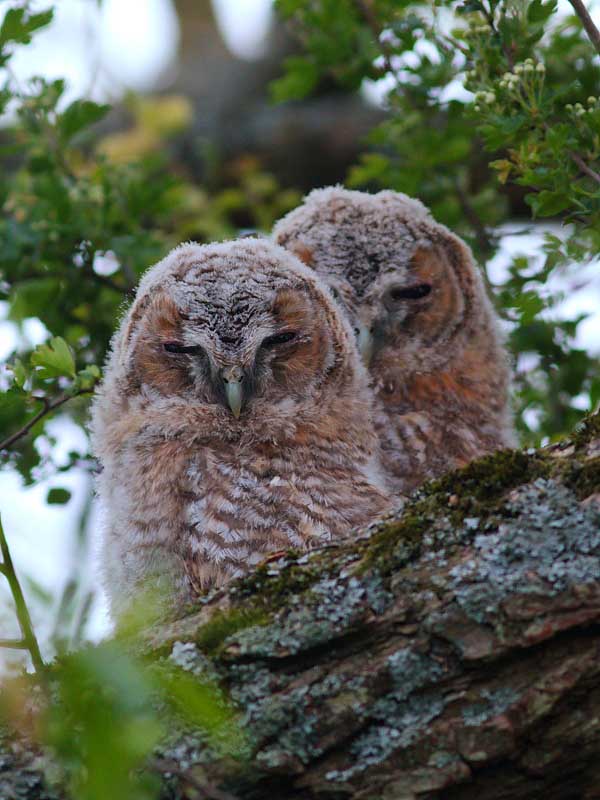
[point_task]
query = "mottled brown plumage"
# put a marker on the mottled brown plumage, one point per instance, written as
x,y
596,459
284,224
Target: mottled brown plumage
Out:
x,y
410,288
234,420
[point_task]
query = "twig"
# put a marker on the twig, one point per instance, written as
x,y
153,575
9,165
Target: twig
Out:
x,y
103,280
28,640
591,173
208,790
588,23
13,644
47,409
451,42
489,15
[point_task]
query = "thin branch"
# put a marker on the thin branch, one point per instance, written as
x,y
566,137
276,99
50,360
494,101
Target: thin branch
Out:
x,y
48,408
104,280
588,23
29,640
14,644
451,43
207,790
489,15
591,173
577,159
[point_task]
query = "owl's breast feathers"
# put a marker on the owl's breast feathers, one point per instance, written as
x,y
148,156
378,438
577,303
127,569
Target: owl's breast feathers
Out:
x,y
248,504
430,423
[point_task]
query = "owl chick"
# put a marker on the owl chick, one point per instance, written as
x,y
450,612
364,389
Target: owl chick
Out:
x,y
425,326
234,420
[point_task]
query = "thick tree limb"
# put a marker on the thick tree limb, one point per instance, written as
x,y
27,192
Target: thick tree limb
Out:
x,y
452,651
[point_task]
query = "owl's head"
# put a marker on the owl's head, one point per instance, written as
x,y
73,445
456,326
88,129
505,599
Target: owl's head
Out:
x,y
407,284
239,328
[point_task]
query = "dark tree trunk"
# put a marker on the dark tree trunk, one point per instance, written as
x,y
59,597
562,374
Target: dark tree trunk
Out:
x,y
306,144
452,651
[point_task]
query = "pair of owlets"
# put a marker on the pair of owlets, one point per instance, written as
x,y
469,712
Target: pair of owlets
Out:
x,y
236,417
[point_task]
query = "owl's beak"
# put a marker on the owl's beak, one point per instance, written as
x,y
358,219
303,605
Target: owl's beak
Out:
x,y
366,344
233,378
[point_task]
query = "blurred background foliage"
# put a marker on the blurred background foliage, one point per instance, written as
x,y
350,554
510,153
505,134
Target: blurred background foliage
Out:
x,y
484,110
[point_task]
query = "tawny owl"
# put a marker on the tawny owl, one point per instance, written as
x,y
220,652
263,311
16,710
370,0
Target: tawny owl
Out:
x,y
425,326
234,420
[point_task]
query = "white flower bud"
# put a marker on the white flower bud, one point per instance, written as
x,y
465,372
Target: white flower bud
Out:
x,y
490,97
519,69
540,67
569,107
591,100
529,68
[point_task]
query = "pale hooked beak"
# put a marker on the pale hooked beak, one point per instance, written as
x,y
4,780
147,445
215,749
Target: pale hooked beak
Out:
x,y
365,344
232,378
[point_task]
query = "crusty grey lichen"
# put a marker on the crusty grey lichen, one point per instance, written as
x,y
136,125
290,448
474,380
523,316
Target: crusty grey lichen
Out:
x,y
546,541
24,770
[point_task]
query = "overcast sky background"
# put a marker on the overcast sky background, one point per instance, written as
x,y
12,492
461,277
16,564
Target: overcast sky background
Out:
x,y
134,44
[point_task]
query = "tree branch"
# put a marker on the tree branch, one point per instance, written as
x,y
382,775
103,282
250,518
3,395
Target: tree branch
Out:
x,y
452,650
207,790
49,407
29,640
588,23
591,173
13,644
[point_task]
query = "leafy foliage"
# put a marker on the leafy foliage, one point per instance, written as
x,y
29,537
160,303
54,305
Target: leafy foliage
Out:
x,y
105,715
522,79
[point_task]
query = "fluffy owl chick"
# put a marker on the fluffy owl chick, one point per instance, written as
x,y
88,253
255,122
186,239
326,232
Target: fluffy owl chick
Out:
x,y
424,323
234,420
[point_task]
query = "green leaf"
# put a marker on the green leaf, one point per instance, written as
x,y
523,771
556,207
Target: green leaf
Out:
x,y
503,167
58,496
13,410
538,11
19,373
80,114
55,359
87,378
18,27
546,203
300,79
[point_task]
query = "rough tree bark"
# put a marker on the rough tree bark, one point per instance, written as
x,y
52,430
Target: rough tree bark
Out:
x,y
452,651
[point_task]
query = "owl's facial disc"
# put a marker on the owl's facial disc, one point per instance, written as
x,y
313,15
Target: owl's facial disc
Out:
x,y
240,351
230,376
410,308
